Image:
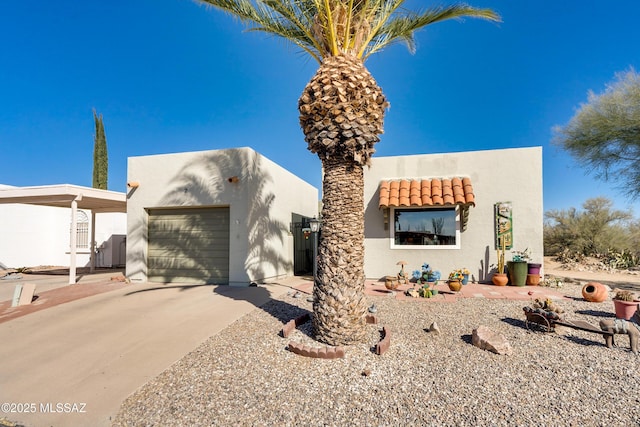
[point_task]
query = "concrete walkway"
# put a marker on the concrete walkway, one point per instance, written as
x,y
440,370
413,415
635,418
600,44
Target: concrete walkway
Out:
x,y
74,363
47,282
471,290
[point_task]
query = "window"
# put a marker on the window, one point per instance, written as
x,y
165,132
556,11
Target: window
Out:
x,y
426,228
82,227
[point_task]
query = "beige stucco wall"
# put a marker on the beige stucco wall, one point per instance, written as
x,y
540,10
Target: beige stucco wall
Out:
x,y
513,175
260,206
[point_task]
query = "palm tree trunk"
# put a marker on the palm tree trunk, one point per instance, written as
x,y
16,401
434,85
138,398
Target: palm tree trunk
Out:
x,y
339,302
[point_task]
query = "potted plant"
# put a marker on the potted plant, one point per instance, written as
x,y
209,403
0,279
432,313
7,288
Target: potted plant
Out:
x,y
455,280
625,304
427,278
465,275
533,273
500,278
426,274
518,267
534,268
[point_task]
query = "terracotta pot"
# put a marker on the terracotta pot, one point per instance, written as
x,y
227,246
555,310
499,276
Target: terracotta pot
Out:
x,y
454,285
533,279
391,283
533,268
594,292
500,279
625,309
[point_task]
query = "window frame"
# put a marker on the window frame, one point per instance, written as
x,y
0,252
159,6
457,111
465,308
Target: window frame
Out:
x,y
392,229
83,239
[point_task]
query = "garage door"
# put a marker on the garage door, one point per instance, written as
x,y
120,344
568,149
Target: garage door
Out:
x,y
189,245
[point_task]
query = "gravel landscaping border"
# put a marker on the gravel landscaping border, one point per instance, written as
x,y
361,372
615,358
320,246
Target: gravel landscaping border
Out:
x,y
245,375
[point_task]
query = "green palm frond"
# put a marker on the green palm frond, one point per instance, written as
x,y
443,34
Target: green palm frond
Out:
x,y
403,27
333,27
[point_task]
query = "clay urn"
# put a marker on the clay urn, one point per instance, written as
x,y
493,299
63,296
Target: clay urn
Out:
x,y
595,292
499,279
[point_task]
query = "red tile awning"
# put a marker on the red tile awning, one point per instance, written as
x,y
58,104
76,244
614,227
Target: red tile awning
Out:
x,y
426,192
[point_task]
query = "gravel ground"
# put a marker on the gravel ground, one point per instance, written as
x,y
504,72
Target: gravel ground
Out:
x,y
245,376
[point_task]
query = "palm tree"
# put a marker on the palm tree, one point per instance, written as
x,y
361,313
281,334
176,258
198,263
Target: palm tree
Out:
x,y
341,114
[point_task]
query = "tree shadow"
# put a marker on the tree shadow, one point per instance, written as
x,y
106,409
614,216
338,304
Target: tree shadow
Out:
x,y
515,322
622,285
261,298
597,313
182,288
584,341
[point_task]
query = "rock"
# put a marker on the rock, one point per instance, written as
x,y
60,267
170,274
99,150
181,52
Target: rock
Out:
x,y
384,343
373,309
487,339
413,293
434,328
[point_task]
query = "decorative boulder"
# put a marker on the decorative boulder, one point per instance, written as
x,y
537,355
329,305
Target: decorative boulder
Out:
x,y
487,339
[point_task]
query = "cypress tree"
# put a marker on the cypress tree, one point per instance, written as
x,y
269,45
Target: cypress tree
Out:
x,y
100,159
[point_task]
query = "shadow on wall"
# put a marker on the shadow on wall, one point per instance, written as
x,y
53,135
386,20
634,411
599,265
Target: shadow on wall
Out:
x,y
136,232
373,213
111,253
485,270
205,183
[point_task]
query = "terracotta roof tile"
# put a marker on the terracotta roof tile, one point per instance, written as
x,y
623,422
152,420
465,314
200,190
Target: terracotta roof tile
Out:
x,y
426,192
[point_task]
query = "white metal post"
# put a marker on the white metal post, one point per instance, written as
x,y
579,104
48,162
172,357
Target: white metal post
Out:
x,y
74,239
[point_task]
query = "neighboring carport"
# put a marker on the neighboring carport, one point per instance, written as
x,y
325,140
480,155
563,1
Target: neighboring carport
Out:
x,y
74,197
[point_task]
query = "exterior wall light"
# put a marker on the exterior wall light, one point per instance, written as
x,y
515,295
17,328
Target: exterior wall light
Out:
x,y
314,225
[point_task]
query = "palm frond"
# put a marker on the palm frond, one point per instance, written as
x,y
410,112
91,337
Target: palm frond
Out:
x,y
403,27
333,27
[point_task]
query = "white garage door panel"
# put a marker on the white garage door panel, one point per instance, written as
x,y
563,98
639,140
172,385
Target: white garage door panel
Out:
x,y
189,245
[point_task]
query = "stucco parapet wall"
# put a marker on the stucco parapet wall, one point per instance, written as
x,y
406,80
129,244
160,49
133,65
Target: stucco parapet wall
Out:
x,y
260,199
504,175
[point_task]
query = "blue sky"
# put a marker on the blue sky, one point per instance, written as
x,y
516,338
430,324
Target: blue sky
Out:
x,y
172,75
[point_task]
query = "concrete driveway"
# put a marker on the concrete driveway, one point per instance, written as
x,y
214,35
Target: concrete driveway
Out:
x,y
47,282
73,364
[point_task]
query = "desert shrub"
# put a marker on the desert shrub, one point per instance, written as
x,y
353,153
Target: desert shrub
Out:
x,y
592,231
621,259
567,256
